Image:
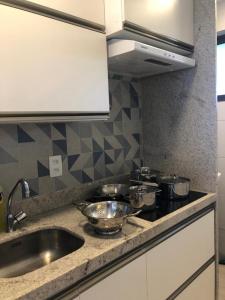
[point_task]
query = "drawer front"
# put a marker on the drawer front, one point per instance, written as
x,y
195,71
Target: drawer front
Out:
x,y
92,11
202,288
172,262
128,283
53,67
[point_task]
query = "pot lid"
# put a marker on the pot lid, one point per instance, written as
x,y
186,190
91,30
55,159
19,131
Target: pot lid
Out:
x,y
172,179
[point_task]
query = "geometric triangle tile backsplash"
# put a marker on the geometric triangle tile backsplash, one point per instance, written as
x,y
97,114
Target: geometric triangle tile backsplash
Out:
x,y
90,150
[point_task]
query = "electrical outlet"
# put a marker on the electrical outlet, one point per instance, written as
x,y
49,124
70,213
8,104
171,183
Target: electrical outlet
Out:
x,y
55,165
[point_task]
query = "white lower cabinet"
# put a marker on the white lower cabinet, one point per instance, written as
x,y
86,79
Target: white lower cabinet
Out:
x,y
202,288
160,272
128,283
175,260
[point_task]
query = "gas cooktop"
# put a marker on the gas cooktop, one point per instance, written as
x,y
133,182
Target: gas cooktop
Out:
x,y
164,206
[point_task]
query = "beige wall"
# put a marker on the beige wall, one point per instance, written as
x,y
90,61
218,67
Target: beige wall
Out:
x,y
221,181
221,145
221,15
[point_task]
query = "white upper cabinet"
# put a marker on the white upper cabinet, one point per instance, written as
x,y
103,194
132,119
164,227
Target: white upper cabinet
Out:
x,y
92,11
170,20
49,67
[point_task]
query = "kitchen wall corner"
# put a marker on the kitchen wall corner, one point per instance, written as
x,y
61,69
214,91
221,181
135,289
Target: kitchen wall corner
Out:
x,y
179,111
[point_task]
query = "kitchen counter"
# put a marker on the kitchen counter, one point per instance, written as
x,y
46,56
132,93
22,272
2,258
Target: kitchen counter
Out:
x,y
97,251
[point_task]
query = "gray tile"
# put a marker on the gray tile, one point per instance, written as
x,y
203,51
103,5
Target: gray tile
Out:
x,y
58,131
46,129
88,161
8,134
85,130
86,145
75,126
97,135
59,184
11,175
118,128
113,142
5,157
135,114
104,128
90,173
73,142
117,95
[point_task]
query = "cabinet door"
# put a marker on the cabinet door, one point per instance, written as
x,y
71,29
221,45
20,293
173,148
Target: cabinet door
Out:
x,y
202,288
172,18
50,67
89,10
172,262
127,283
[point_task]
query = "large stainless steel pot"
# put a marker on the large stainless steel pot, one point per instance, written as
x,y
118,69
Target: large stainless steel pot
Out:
x,y
174,187
107,217
142,196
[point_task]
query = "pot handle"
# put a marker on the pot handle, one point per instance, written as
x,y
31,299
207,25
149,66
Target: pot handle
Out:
x,y
81,205
135,213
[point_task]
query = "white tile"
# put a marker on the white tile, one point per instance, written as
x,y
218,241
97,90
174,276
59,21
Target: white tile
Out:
x,y
221,139
221,192
221,111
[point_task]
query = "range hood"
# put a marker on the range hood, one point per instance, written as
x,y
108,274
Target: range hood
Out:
x,y
132,58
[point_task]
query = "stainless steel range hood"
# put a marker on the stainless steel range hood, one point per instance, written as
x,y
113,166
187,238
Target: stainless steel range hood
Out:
x,y
127,57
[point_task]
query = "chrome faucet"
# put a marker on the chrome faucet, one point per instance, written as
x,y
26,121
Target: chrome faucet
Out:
x,y
13,220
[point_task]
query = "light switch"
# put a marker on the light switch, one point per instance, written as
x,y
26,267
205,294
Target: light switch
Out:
x,y
55,165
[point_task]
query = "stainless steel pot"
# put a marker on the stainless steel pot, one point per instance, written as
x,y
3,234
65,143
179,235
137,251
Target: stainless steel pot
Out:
x,y
107,217
142,196
113,190
144,174
174,187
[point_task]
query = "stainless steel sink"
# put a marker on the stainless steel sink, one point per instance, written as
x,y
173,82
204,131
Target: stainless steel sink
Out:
x,y
35,250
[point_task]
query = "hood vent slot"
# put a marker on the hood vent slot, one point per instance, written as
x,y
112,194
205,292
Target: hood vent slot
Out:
x,y
157,62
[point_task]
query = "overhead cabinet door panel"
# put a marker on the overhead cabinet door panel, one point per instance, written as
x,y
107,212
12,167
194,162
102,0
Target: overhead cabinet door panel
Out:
x,y
92,11
172,18
48,66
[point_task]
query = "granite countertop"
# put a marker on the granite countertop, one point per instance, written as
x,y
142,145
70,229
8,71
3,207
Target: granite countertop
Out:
x,y
96,252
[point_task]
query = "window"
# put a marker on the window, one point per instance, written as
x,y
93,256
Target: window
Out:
x,y
221,68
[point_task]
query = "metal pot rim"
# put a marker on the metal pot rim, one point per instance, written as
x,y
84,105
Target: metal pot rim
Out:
x,y
169,180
